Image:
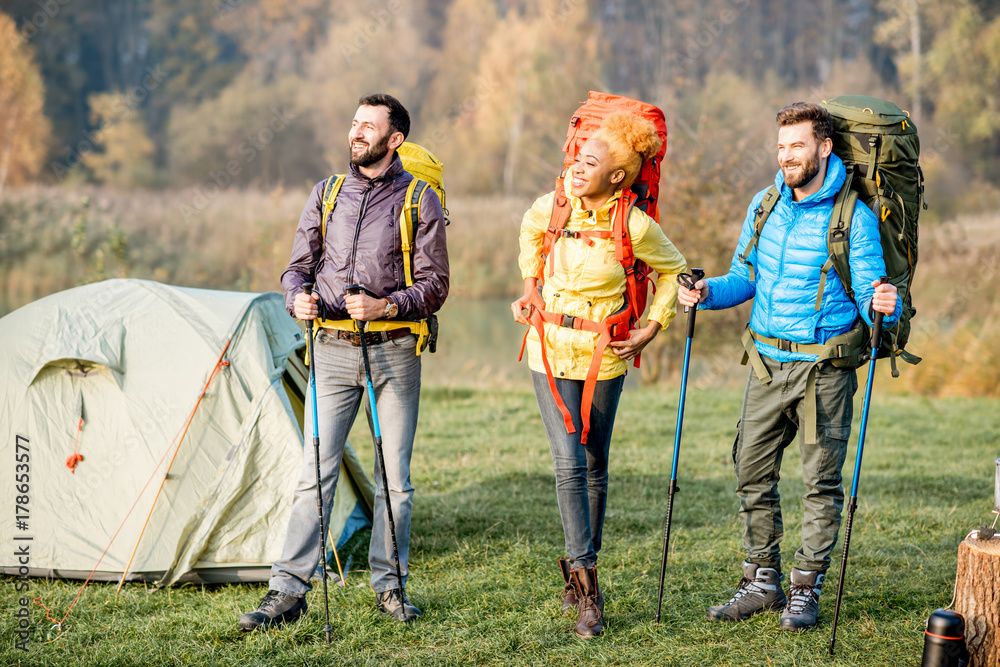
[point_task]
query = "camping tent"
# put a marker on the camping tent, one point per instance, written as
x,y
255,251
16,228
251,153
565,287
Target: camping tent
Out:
x,y
199,391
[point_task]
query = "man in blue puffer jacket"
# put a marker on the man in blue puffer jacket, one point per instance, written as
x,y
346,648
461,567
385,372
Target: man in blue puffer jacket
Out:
x,y
790,391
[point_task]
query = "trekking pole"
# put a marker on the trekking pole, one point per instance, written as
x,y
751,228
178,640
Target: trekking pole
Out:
x,y
853,502
688,281
307,288
377,437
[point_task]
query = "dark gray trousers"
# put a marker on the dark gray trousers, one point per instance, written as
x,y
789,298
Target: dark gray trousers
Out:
x,y
771,417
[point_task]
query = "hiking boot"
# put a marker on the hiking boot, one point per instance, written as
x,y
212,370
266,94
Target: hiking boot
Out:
x,y
395,603
760,590
569,600
590,622
802,611
274,609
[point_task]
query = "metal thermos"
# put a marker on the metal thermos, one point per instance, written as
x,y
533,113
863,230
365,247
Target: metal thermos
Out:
x,y
996,487
944,640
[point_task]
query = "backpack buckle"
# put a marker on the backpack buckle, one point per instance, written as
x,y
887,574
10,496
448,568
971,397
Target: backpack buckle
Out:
x,y
568,321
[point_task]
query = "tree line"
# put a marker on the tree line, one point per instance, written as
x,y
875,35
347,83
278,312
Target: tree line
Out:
x,y
254,93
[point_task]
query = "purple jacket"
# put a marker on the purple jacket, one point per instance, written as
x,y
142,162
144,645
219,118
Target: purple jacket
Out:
x,y
363,247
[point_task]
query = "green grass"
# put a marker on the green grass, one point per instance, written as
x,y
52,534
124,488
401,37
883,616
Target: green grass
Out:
x,y
486,536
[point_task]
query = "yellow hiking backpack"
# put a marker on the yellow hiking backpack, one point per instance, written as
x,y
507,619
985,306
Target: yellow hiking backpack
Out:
x,y
427,172
422,164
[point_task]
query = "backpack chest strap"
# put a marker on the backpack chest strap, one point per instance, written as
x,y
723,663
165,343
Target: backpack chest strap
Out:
x,y
586,235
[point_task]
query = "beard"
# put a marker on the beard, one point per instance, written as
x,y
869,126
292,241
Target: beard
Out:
x,y
808,172
372,154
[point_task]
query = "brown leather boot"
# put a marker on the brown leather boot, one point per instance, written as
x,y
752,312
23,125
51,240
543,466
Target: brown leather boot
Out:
x,y
590,622
570,600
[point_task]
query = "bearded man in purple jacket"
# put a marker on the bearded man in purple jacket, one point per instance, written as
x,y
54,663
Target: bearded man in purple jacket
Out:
x,y
360,243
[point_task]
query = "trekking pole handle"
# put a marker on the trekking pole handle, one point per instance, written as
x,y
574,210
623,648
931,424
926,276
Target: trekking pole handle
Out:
x,y
689,280
360,289
877,324
307,289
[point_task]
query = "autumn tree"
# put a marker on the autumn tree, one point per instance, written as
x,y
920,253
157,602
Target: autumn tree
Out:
x,y
251,133
964,65
534,70
24,129
363,52
277,35
123,152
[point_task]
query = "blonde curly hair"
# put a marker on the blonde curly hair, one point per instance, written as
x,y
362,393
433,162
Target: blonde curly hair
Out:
x,y
631,140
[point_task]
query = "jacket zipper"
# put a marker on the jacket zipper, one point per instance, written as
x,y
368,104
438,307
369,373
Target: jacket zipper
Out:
x,y
781,270
357,228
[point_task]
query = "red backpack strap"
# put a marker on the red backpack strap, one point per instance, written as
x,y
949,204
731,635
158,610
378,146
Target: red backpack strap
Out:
x,y
537,321
561,211
623,245
613,326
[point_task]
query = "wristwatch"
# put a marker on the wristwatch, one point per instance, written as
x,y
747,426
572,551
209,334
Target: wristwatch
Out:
x,y
391,309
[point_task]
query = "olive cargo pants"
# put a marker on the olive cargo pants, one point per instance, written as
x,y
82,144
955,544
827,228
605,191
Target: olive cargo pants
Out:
x,y
770,420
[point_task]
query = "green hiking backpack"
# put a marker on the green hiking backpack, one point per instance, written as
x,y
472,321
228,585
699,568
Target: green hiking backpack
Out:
x,y
879,146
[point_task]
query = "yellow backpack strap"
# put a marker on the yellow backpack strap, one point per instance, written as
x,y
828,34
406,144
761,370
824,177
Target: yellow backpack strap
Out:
x,y
408,220
333,185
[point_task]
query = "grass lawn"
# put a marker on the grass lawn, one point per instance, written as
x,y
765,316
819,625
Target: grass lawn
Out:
x,y
486,536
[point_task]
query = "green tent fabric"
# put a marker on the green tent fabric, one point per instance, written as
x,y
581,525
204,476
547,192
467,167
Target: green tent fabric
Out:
x,y
131,358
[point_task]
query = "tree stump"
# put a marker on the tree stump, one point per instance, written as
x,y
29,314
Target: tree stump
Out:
x,y
977,598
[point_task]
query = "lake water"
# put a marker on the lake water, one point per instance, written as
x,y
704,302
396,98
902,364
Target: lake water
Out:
x,y
477,346
479,342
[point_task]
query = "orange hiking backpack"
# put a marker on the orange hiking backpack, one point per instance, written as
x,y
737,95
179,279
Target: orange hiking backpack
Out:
x,y
642,193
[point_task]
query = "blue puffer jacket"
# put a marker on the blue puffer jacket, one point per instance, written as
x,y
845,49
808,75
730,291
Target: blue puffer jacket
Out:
x,y
787,262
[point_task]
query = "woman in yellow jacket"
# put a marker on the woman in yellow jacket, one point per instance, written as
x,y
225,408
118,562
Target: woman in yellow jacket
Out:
x,y
584,280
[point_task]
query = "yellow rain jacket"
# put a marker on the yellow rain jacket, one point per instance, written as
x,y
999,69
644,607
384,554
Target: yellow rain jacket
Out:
x,y
588,282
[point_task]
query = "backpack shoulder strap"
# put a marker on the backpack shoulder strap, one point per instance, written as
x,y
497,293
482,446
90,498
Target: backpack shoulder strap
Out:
x,y
838,240
408,220
623,245
333,185
561,211
760,215
619,228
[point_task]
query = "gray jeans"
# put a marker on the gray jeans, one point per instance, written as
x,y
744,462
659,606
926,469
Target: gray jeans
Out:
x,y
341,389
771,417
581,470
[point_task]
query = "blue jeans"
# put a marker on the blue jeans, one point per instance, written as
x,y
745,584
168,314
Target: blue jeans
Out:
x,y
581,470
341,389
